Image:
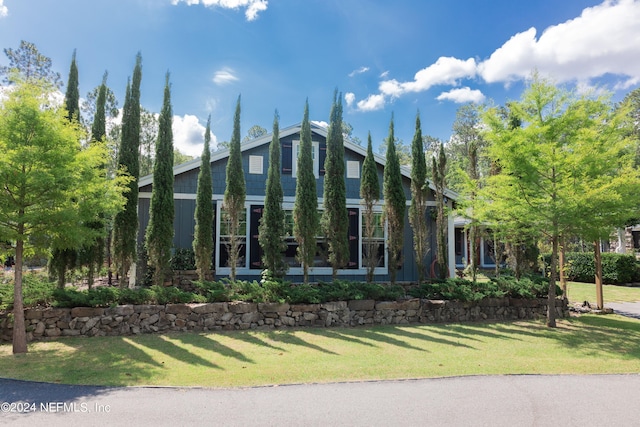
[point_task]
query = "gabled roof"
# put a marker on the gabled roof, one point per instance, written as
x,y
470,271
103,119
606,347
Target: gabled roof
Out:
x,y
291,130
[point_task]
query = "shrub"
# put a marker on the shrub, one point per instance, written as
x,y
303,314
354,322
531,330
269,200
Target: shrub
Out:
x,y
183,259
172,295
37,290
616,268
212,291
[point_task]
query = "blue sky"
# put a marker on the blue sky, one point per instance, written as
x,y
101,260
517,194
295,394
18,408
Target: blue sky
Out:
x,y
385,57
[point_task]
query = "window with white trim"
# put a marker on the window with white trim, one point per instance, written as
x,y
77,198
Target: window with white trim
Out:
x,y
255,165
353,169
315,154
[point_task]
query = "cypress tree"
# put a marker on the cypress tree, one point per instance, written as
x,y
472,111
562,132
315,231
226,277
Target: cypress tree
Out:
x,y
63,259
305,209
72,95
335,219
394,205
93,255
234,194
125,229
439,175
159,233
203,233
370,194
272,229
418,208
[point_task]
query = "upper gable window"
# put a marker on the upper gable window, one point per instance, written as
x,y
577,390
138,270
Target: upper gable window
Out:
x,y
255,165
353,169
315,153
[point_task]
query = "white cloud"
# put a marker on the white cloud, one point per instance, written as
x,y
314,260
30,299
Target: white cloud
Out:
x,y
462,95
3,9
349,98
321,123
359,71
252,7
602,40
224,76
188,135
372,103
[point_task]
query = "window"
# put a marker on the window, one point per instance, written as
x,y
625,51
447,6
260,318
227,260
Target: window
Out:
x,y
375,247
255,165
315,154
353,169
224,239
321,256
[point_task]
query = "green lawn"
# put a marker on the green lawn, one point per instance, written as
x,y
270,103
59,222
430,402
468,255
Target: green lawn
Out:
x,y
588,344
579,292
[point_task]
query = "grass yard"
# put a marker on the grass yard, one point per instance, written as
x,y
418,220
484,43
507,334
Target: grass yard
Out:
x,y
579,292
588,344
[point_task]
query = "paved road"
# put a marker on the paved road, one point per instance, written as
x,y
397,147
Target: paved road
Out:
x,y
463,401
629,309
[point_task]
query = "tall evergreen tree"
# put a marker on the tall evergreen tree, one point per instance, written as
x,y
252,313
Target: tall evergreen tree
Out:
x,y
418,208
64,258
125,229
272,229
370,194
335,219
203,233
438,171
305,210
72,95
234,194
394,205
159,233
92,255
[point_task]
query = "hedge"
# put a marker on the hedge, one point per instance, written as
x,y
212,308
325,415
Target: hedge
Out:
x,y
617,269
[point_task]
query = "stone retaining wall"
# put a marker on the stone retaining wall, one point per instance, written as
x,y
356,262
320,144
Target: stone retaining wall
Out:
x,y
139,319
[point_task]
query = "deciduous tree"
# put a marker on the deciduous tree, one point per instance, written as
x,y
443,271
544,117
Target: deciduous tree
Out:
x,y
49,185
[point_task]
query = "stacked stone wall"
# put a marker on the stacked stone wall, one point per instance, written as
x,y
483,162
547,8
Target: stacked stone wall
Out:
x,y
139,319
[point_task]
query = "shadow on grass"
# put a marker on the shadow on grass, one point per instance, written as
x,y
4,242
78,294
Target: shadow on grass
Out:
x,y
163,344
206,342
290,338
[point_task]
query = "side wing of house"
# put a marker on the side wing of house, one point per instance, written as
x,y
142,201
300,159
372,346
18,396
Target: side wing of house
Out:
x,y
255,160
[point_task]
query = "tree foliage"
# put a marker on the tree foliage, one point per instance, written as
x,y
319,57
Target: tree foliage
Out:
x,y
203,233
159,233
565,171
125,228
305,209
272,230
234,194
335,218
27,64
394,205
418,208
438,171
370,194
49,184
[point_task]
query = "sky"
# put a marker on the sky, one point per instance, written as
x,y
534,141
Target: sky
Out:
x,y
386,58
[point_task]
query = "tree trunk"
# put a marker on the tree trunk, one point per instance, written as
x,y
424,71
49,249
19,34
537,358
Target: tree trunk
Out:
x,y
598,262
563,276
19,331
551,301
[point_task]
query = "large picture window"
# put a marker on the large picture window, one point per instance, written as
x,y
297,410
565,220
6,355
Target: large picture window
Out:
x,y
375,247
225,240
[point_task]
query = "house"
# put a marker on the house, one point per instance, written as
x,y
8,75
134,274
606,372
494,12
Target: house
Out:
x,y
485,246
255,159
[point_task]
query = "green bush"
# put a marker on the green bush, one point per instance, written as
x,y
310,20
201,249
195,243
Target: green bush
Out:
x,y
183,259
37,290
616,268
212,291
